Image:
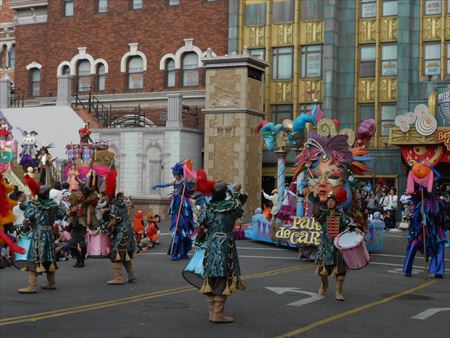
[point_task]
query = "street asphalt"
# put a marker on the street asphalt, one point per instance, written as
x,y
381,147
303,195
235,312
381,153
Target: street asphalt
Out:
x,y
281,299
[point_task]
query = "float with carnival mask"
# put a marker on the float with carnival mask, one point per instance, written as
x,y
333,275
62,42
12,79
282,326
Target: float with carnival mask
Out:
x,y
424,141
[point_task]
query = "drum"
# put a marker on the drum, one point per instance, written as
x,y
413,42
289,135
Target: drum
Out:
x,y
353,249
99,244
194,272
24,241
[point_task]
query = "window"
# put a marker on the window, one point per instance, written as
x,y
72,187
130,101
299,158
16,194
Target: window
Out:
x,y
281,112
448,58
388,113
101,77
433,59
173,2
66,70
190,69
304,108
389,60
68,7
135,73
390,7
283,11
255,14
84,75
312,10
102,6
311,61
282,63
368,8
367,63
170,69
433,7
35,82
1,58
259,53
12,57
136,4
366,111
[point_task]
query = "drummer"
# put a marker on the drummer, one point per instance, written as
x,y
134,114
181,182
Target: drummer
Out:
x,y
329,260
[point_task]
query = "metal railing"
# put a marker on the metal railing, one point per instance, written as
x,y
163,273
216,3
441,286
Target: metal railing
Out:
x,y
17,98
93,105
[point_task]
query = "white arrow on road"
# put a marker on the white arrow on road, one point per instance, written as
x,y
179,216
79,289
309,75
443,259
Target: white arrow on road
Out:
x,y
313,297
430,312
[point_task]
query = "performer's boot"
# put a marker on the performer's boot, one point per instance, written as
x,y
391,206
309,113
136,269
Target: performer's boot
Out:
x,y
51,279
339,287
32,281
211,302
118,277
131,274
82,257
219,305
323,285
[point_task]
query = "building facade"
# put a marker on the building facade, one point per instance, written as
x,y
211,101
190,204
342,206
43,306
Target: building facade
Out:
x,y
358,59
7,41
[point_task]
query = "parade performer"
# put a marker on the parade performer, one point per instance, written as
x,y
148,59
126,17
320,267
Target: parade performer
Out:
x,y
327,163
29,149
428,223
41,216
77,227
85,134
124,245
181,214
73,178
45,165
221,263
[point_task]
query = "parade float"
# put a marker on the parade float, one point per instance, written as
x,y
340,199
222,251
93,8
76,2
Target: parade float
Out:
x,y
327,160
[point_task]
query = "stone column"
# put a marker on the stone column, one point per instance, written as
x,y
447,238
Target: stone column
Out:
x,y
233,109
5,92
174,110
64,95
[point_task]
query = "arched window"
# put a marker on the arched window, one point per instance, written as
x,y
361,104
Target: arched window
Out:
x,y
66,70
135,70
35,82
190,69
170,69
101,77
12,57
84,76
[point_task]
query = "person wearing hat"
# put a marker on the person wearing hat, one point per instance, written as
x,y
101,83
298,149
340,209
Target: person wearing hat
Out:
x,y
274,199
329,260
41,216
221,263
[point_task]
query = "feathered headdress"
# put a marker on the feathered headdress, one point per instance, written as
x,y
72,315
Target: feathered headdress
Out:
x,y
203,185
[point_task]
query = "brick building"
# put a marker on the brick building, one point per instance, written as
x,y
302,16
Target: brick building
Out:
x,y
7,40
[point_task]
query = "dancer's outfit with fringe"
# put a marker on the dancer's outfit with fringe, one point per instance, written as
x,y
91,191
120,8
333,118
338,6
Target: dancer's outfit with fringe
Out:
x,y
124,245
221,263
41,215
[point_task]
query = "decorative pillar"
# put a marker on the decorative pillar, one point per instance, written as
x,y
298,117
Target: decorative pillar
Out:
x,y
233,110
64,94
174,110
5,92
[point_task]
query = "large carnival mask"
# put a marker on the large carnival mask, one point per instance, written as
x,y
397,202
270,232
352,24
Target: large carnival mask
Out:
x,y
326,178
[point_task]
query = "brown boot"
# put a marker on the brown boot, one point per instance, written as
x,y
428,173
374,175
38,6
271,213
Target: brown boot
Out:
x,y
210,300
32,281
131,274
339,287
323,285
219,305
51,279
118,277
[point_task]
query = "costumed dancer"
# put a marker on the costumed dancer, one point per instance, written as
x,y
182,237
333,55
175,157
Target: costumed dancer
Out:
x,y
85,134
428,220
221,264
45,165
181,214
73,178
29,149
41,216
77,228
124,245
327,163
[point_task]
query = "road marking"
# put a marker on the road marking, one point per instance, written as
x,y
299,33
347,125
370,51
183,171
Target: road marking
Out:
x,y
395,264
261,249
402,256
353,311
240,256
313,297
132,299
430,312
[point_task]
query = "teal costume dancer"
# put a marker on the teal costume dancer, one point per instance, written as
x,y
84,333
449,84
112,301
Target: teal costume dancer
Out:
x,y
41,216
221,263
124,245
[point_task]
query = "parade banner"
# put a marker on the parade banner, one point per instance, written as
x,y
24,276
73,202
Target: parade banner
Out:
x,y
443,136
303,231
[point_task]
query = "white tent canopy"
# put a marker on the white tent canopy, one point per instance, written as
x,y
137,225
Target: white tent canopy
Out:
x,y
54,124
